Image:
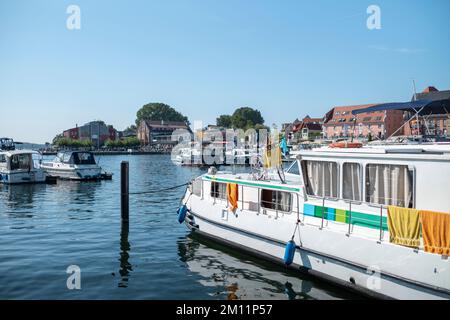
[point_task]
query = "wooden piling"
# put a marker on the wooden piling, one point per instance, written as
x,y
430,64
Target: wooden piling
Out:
x,y
125,191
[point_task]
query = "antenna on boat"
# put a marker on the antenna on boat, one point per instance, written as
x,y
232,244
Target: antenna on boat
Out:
x,y
414,88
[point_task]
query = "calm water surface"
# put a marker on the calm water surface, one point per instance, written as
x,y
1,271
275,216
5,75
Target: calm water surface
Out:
x,y
46,228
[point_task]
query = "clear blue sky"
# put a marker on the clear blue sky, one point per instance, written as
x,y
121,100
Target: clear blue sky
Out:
x,y
205,58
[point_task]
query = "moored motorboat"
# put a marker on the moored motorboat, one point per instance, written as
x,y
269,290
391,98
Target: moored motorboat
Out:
x,y
21,166
74,165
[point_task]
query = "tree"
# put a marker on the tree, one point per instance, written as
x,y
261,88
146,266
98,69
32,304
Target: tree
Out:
x,y
246,118
130,142
132,128
159,112
224,121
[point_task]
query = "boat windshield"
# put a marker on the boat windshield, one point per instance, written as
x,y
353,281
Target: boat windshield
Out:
x,y
21,162
294,169
83,158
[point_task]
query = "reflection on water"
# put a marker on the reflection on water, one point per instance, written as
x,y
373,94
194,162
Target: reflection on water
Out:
x,y
238,276
125,266
46,228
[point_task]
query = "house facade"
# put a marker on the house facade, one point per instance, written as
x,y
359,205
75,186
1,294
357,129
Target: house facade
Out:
x,y
306,129
158,132
436,125
341,123
95,131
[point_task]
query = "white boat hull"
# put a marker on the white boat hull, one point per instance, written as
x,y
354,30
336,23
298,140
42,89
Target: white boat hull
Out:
x,y
74,173
22,177
400,272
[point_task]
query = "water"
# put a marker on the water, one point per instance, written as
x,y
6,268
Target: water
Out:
x,y
46,228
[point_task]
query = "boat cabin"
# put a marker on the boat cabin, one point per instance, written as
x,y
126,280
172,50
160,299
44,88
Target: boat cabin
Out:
x,y
76,158
20,160
347,189
7,144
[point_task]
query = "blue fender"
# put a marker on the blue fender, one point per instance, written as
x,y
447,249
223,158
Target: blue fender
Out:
x,y
182,211
289,253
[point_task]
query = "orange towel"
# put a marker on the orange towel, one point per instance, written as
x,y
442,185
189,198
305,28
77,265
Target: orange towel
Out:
x,y
404,226
436,232
233,196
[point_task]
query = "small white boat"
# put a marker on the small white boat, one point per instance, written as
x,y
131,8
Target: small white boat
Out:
x,y
21,166
73,165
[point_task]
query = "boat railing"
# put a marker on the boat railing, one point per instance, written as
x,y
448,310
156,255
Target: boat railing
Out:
x,y
353,202
295,209
269,205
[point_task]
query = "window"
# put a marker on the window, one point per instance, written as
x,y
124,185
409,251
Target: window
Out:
x,y
2,158
389,185
293,169
276,200
352,182
321,178
197,187
218,190
83,158
21,162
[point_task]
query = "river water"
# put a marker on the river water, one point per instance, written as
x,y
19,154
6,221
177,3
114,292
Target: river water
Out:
x,y
44,229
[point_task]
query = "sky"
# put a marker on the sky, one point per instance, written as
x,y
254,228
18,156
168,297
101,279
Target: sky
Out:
x,y
205,58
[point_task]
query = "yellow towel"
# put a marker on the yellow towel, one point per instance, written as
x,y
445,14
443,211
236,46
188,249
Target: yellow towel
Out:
x,y
233,196
436,232
404,226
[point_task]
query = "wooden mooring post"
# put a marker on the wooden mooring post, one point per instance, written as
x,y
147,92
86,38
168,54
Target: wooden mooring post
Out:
x,y
125,191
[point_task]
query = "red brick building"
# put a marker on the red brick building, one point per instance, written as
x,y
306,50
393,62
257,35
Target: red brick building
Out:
x,y
341,123
158,132
96,131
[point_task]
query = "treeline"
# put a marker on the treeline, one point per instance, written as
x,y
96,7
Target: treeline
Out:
x,y
72,143
242,118
129,142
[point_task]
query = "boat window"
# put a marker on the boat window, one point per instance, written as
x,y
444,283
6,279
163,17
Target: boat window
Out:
x,y
65,157
218,190
21,162
389,185
2,158
276,200
293,169
197,187
83,158
352,182
321,178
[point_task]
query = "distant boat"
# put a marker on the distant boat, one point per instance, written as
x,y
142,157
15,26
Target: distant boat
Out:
x,y
7,144
20,166
73,165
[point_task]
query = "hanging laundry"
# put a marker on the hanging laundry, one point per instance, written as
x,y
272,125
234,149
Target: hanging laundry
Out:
x,y
233,196
404,226
436,232
284,147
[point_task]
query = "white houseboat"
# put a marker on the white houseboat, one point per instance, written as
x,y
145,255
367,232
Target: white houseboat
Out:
x,y
20,166
73,165
373,219
334,205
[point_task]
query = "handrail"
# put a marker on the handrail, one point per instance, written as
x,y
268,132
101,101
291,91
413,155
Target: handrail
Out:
x,y
349,219
296,208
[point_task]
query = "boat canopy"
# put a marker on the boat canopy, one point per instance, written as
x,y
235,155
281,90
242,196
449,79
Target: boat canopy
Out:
x,y
421,107
78,158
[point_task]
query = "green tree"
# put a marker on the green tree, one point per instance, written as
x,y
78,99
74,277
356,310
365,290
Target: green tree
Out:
x,y
224,121
159,112
245,118
132,128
